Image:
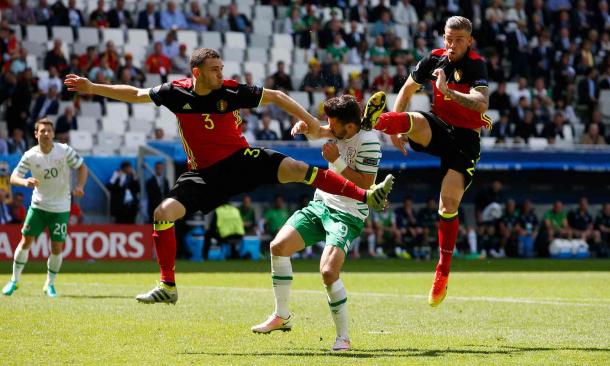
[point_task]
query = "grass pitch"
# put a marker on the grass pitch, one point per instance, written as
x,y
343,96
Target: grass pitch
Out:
x,y
538,312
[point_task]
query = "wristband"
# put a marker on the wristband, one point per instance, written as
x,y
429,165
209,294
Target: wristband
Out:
x,y
339,164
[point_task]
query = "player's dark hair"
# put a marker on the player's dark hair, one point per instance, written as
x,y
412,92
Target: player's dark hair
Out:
x,y
344,108
200,55
459,23
43,121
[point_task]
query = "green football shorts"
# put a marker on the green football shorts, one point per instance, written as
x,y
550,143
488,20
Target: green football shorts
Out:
x,y
37,220
317,222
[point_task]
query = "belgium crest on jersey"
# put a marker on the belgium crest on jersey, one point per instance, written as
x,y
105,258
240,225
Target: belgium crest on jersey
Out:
x,y
457,75
222,105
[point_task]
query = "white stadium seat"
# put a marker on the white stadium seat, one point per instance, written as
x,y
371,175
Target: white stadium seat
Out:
x,y
538,143
189,38
138,37
89,36
235,39
159,35
264,12
135,139
283,41
260,41
262,26
109,139
300,97
144,111
92,109
113,125
211,40
280,54
103,150
115,35
170,127
257,54
117,110
231,68
37,33
145,126
64,33
233,54
257,69
86,123
81,141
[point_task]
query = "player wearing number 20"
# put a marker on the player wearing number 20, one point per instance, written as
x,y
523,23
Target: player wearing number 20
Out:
x,y
50,164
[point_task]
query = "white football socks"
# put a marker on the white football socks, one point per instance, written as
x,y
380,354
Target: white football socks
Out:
x,y
281,274
337,300
53,266
19,260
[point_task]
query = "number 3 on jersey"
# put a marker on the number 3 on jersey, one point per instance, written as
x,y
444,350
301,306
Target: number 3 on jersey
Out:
x,y
208,122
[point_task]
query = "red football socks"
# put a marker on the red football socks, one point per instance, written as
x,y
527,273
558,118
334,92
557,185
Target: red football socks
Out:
x,y
165,247
447,236
333,183
394,123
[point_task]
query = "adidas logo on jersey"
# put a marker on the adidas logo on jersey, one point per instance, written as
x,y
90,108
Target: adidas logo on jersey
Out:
x,y
187,106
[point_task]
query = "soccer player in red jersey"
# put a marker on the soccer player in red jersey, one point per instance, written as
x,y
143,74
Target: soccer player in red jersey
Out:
x,y
451,130
221,163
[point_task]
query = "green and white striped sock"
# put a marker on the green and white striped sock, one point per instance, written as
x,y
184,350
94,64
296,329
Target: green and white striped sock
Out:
x,y
337,300
281,274
19,260
53,266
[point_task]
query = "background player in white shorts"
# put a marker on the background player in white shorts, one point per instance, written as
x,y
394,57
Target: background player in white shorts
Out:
x,y
50,164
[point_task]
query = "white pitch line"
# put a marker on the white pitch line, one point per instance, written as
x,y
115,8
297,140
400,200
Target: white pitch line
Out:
x,y
511,300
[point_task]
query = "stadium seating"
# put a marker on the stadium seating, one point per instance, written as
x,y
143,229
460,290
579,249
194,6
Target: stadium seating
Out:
x,y
264,12
113,34
233,54
257,54
117,110
92,109
87,123
257,69
189,38
263,27
113,125
36,33
137,37
81,141
144,111
235,39
89,36
212,40
260,41
66,34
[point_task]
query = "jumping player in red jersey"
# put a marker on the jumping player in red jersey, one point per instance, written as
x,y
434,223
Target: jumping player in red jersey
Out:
x,y
221,163
451,130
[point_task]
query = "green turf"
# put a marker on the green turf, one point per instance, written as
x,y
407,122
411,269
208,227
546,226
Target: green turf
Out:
x,y
497,313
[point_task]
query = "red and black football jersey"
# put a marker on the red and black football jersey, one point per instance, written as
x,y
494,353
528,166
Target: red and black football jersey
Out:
x,y
468,73
208,124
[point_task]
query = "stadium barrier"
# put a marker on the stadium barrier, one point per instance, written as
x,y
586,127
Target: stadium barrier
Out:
x,y
86,242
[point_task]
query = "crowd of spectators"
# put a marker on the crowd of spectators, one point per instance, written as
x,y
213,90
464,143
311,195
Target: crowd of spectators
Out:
x,y
501,228
556,51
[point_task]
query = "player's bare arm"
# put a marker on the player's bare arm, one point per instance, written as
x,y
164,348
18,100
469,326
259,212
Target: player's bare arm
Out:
x,y
81,180
301,128
293,108
124,93
477,99
30,182
330,152
404,95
